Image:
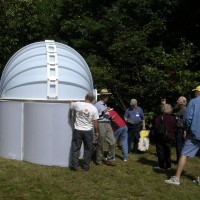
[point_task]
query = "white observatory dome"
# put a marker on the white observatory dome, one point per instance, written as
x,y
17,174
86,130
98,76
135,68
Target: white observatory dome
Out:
x,y
37,85
46,71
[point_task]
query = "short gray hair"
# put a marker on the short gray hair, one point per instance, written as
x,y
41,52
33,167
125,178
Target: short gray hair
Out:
x,y
133,102
90,96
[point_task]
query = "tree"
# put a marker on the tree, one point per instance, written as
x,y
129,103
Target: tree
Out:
x,y
136,48
25,21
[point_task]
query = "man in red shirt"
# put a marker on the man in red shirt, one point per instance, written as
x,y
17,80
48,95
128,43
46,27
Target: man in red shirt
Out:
x,y
120,132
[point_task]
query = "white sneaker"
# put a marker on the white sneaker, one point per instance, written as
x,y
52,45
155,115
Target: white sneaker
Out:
x,y
110,159
125,160
173,180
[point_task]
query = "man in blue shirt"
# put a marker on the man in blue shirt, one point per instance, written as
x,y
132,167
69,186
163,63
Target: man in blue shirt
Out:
x,y
133,117
106,132
192,144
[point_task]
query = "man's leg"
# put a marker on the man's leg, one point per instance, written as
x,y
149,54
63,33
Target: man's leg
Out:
x,y
124,143
111,142
136,135
88,142
167,154
117,134
160,154
101,139
179,142
175,180
130,138
181,165
190,149
76,145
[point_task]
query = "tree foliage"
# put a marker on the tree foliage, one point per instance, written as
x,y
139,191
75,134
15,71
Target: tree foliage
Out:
x,y
136,48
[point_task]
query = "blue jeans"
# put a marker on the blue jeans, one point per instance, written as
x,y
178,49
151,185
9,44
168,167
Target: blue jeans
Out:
x,y
133,134
121,134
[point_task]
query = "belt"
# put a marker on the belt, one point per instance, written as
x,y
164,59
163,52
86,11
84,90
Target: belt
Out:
x,y
104,122
133,124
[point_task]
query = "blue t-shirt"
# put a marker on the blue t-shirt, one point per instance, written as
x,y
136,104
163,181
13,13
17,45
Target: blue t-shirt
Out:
x,y
134,115
103,117
192,118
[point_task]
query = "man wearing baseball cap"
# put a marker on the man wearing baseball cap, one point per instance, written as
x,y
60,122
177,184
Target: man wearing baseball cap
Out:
x,y
192,144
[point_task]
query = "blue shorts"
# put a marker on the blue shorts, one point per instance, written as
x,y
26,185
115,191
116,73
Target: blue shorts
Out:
x,y
190,147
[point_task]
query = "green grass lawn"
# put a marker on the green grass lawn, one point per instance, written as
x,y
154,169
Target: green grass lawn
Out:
x,y
135,179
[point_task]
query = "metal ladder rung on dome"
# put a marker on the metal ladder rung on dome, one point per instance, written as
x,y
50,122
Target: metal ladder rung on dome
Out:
x,y
52,69
52,72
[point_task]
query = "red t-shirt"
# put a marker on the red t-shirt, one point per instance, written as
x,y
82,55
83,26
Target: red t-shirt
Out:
x,y
116,120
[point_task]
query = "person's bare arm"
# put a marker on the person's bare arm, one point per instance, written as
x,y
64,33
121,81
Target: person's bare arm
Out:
x,y
113,117
143,124
107,109
184,134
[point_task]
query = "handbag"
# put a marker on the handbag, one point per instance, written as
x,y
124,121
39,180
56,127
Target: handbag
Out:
x,y
143,144
144,133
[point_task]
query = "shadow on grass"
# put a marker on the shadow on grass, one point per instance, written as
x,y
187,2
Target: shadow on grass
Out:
x,y
153,163
152,153
118,156
169,172
172,172
189,176
146,161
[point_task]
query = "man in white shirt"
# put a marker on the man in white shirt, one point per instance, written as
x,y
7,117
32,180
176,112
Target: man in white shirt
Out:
x,y
86,121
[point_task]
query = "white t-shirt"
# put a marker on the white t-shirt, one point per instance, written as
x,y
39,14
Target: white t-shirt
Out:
x,y
85,114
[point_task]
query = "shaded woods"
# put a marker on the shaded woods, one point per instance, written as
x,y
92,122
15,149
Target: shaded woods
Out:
x,y
136,48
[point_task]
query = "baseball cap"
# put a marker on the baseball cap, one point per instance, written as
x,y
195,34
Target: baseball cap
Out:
x,y
197,89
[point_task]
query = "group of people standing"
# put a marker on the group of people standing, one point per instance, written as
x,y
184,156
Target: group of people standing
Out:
x,y
191,124
108,126
125,129
184,129
169,129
